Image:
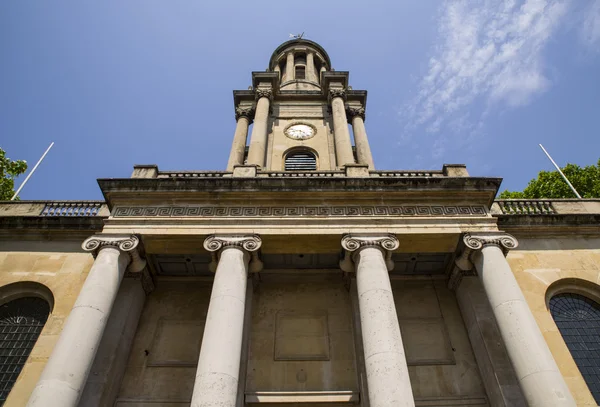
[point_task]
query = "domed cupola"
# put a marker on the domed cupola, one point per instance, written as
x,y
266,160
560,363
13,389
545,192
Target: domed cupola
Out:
x,y
299,63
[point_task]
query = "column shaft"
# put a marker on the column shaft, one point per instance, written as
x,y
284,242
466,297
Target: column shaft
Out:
x,y
290,72
341,135
258,139
497,373
536,370
108,369
64,376
387,371
219,362
238,147
363,150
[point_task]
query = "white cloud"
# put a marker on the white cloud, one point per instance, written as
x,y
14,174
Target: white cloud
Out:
x,y
488,52
590,29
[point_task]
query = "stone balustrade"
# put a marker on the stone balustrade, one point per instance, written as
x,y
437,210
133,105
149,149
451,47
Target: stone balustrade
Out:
x,y
193,174
406,174
521,207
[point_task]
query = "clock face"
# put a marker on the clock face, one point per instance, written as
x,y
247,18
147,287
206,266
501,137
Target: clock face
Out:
x,y
300,131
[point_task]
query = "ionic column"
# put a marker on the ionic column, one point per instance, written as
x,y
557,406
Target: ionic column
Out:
x,y
341,135
363,150
258,139
310,67
538,375
67,369
290,72
243,116
218,371
385,363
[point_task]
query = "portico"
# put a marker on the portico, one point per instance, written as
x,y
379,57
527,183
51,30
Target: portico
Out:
x,y
300,275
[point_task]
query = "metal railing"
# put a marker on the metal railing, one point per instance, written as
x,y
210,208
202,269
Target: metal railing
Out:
x,y
73,208
526,206
407,174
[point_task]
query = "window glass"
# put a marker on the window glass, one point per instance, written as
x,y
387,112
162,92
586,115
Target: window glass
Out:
x,y
21,322
578,319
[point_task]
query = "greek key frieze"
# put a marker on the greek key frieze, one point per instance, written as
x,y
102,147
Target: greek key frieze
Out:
x,y
297,211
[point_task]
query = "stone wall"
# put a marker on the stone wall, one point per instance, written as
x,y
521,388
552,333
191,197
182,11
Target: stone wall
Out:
x,y
548,265
301,338
442,367
62,267
162,364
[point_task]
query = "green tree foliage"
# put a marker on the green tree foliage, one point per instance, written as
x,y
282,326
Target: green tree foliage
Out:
x,y
549,184
9,170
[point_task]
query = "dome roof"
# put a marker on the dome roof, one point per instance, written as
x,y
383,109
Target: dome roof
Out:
x,y
299,42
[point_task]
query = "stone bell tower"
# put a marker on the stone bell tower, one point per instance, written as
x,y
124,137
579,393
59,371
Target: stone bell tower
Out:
x,y
300,109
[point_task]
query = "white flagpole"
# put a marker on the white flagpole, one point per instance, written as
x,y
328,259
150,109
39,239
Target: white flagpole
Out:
x,y
31,173
561,173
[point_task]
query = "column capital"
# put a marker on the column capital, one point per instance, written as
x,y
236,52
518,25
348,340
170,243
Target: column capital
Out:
x,y
248,243
478,240
354,243
353,112
264,93
247,112
337,93
129,244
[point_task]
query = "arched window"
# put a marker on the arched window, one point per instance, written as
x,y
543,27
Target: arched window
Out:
x,y
578,320
300,161
21,322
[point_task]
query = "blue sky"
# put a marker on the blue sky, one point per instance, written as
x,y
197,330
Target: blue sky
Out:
x,y
117,83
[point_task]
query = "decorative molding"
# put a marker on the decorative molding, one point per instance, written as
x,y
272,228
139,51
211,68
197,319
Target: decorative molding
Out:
x,y
353,112
249,243
264,93
247,112
199,211
126,244
352,243
477,241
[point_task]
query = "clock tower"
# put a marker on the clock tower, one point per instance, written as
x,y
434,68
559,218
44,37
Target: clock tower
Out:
x,y
300,109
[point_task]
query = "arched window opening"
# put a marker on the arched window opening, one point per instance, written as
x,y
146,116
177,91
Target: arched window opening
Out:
x,y
578,320
300,161
300,72
21,322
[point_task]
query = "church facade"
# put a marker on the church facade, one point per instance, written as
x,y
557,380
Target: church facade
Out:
x,y
301,276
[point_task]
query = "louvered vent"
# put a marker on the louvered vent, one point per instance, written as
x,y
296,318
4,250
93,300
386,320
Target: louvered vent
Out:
x,y
303,161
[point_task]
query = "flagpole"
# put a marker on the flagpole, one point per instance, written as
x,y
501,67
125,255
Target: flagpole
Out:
x,y
32,171
561,173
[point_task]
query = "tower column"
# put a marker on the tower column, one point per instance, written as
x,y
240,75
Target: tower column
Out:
x,y
363,150
290,72
341,135
65,374
385,362
258,139
218,370
538,375
243,117
310,67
